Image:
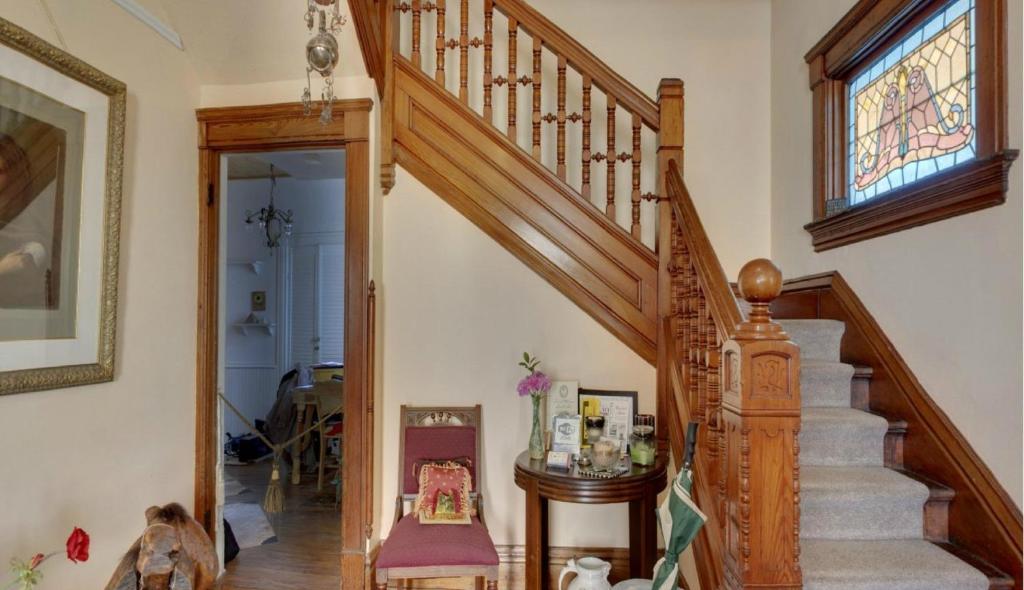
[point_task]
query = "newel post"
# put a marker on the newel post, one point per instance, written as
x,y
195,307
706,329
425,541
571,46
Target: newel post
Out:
x,y
761,403
670,147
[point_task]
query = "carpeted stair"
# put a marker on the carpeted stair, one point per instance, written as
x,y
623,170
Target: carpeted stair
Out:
x,y
861,524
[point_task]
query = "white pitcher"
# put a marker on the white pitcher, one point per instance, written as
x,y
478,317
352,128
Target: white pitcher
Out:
x,y
591,574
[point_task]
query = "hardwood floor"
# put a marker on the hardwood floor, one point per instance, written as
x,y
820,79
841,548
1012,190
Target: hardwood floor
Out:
x,y
307,553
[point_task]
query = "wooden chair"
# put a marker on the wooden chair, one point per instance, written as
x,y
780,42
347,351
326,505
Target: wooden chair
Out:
x,y
413,550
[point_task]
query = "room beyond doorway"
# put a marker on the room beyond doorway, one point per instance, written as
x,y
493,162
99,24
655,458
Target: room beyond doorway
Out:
x,y
284,130
282,369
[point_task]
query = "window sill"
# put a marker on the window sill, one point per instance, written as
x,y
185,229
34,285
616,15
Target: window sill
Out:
x,y
975,185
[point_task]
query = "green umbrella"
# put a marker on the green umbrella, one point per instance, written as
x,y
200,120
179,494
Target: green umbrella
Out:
x,y
680,521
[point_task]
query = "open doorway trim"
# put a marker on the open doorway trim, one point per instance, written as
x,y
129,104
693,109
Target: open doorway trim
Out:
x,y
285,127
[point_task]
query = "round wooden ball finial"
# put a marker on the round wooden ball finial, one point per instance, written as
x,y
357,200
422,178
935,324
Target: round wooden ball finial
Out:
x,y
760,281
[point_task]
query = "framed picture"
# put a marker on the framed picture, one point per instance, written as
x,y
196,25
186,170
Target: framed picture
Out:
x,y
617,407
565,434
563,399
61,162
259,301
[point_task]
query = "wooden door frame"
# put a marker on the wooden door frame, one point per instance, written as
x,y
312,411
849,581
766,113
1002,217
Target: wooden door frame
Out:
x,y
285,127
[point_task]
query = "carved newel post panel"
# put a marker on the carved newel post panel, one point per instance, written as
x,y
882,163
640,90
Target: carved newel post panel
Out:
x,y
761,410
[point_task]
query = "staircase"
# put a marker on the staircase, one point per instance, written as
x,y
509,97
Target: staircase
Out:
x,y
580,175
861,524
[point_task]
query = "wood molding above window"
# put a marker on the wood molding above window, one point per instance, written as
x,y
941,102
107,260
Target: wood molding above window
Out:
x,y
929,141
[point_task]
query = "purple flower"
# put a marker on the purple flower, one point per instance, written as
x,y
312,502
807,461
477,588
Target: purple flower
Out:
x,y
536,383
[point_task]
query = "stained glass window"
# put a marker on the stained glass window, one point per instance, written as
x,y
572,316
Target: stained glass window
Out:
x,y
912,112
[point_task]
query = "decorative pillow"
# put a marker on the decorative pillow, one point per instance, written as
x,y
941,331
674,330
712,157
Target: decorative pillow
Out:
x,y
444,494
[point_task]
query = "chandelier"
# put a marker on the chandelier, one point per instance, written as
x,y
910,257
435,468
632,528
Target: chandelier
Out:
x,y
322,53
276,223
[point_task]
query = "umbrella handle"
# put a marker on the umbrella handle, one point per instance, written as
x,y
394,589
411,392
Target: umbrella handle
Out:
x,y
691,444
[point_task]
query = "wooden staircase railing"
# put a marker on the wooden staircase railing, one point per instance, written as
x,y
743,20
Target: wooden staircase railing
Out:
x,y
739,377
626,139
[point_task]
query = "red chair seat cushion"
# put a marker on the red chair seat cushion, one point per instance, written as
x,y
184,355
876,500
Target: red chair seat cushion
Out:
x,y
412,544
335,429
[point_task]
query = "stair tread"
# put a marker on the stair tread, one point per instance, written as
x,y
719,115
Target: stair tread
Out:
x,y
859,481
906,564
860,503
839,416
841,436
818,339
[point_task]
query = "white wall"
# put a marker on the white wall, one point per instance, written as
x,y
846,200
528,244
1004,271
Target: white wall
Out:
x,y
98,456
460,312
948,294
721,51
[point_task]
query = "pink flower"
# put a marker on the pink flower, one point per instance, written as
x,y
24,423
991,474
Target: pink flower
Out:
x,y
536,383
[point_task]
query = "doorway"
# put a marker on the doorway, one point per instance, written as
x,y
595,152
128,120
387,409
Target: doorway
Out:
x,y
318,312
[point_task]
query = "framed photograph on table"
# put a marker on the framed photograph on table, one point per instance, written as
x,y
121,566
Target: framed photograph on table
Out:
x,y
563,399
61,161
617,407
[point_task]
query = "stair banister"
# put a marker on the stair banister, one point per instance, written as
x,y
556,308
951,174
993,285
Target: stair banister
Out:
x,y
738,376
761,413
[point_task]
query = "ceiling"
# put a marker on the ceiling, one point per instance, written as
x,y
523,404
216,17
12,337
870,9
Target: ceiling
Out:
x,y
251,41
301,165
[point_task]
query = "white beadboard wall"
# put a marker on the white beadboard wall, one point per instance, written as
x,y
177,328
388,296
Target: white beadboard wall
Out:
x,y
252,390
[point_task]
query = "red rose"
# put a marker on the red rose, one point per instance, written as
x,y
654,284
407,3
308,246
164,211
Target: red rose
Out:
x,y
78,545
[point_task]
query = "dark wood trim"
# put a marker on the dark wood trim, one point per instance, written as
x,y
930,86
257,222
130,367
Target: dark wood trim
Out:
x,y
974,185
983,519
863,34
367,21
283,127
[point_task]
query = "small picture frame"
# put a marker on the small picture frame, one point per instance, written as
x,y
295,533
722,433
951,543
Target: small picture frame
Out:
x,y
565,434
618,409
563,399
259,301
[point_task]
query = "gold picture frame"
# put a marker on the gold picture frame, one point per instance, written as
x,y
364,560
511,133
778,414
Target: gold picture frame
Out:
x,y
93,361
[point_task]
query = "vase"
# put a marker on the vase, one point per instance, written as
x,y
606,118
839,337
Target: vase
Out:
x,y
536,434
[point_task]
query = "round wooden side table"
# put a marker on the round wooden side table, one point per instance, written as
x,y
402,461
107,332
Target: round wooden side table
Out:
x,y
639,487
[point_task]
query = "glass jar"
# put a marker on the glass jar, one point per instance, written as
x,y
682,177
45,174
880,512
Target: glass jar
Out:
x,y
643,448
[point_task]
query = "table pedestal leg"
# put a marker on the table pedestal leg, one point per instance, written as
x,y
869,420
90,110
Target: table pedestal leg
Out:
x,y
643,539
536,539
300,419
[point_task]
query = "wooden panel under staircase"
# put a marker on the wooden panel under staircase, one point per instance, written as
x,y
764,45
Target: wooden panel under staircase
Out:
x,y
570,191
526,209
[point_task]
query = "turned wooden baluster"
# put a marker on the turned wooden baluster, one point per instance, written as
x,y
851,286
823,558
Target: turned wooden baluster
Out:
x,y
464,52
560,155
537,45
416,11
488,57
439,43
702,360
585,185
761,412
512,29
609,208
635,197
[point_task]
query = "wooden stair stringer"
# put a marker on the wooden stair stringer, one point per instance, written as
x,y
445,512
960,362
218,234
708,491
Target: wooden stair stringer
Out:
x,y
527,209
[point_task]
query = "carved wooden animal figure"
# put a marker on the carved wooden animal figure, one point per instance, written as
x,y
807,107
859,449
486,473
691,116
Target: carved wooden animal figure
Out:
x,y
173,553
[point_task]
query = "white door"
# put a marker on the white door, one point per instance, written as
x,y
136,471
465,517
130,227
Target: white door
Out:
x,y
317,300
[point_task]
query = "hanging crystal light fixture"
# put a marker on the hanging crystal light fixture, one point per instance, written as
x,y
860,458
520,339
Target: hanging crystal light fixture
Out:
x,y
322,53
276,223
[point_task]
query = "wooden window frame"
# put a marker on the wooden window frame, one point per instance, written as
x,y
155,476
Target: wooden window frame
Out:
x,y
869,29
